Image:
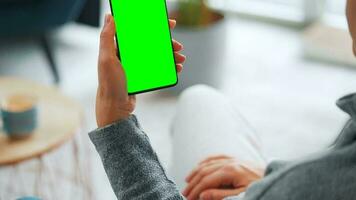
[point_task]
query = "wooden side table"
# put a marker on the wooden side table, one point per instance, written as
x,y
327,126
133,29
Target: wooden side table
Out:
x,y
48,174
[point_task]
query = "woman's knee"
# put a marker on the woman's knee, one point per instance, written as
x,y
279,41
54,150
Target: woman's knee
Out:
x,y
196,91
200,96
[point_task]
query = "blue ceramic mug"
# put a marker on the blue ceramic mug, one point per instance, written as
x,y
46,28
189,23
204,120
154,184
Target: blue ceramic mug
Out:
x,y
19,115
28,198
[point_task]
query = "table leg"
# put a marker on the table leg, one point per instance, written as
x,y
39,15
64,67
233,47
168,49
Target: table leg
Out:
x,y
82,168
38,177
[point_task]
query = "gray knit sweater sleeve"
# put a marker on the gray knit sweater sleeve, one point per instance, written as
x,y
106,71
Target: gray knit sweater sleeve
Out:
x,y
131,164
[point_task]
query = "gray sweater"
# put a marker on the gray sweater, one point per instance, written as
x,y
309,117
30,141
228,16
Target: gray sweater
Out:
x,y
136,173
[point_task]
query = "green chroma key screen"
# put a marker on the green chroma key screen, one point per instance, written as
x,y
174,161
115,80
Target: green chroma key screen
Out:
x,y
145,44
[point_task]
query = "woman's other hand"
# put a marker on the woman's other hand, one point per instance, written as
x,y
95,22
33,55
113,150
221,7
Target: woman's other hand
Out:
x,y
113,102
219,177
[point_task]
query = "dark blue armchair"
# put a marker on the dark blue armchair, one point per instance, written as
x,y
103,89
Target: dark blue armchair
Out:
x,y
35,18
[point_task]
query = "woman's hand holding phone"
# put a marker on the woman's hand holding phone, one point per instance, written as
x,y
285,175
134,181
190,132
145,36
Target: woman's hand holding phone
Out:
x,y
113,102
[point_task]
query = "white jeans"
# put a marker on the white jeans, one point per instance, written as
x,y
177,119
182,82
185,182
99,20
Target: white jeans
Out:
x,y
207,124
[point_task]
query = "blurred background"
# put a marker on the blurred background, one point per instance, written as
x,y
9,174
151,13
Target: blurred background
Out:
x,y
283,64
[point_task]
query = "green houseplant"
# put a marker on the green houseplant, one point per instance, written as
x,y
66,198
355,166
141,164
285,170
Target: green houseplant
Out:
x,y
194,13
202,30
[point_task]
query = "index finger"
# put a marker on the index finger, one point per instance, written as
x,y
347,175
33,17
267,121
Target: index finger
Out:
x,y
211,181
217,157
107,38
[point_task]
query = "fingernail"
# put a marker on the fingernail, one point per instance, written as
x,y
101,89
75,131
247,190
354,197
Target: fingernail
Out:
x,y
107,19
180,45
202,196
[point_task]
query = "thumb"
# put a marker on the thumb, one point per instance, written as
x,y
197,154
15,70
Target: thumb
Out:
x,y
219,194
110,72
107,45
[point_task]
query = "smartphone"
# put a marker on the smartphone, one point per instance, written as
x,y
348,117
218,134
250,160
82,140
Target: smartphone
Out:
x,y
144,44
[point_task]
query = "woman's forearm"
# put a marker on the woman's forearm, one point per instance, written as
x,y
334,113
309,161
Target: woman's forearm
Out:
x,y
130,162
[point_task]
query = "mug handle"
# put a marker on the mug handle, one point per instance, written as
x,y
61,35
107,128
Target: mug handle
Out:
x,y
1,119
1,122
